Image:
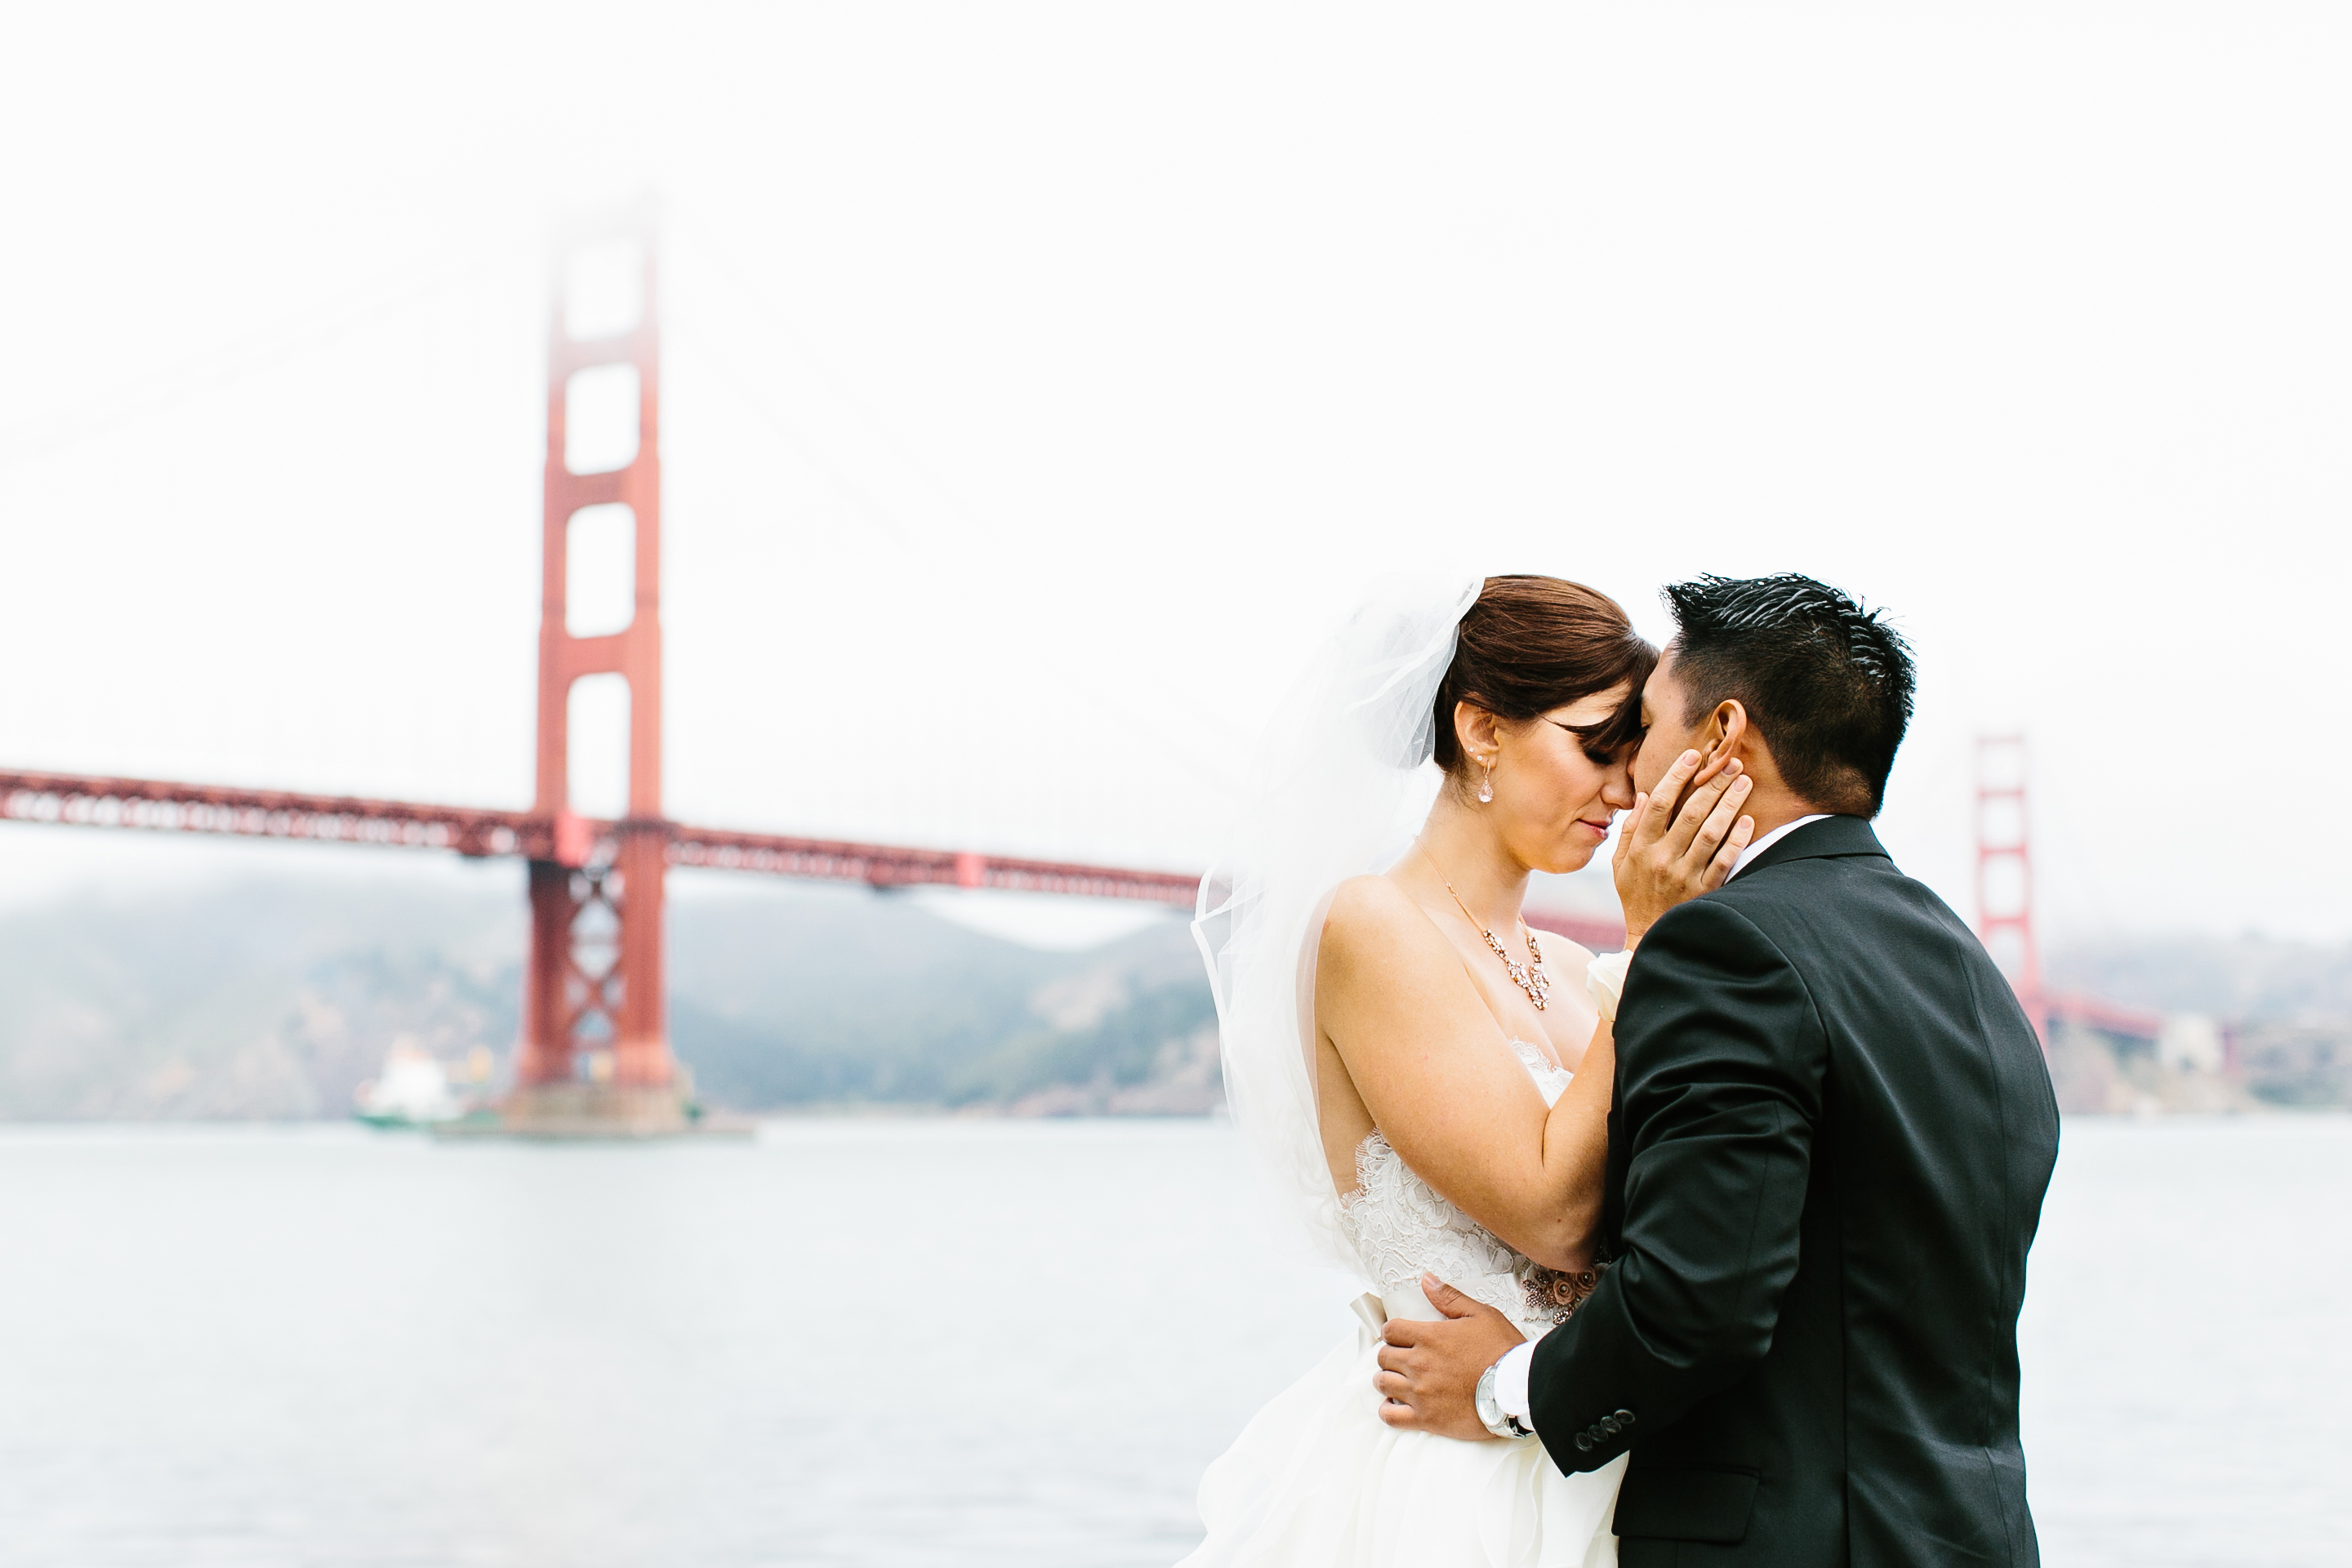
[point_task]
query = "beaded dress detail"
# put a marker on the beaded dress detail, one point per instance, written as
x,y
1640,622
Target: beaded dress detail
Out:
x,y
1318,1480
1400,1225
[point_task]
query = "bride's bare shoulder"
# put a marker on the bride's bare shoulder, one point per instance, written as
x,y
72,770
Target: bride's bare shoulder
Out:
x,y
1371,917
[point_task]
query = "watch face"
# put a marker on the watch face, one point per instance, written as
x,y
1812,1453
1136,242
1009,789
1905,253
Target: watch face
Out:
x,y
1490,1410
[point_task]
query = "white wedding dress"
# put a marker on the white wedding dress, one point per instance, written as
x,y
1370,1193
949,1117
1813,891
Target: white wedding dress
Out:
x,y
1318,1480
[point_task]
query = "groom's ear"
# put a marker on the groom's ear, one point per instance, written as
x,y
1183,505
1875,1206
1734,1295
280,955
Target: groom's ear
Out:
x,y
1725,733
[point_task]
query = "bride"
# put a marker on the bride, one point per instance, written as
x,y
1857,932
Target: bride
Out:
x,y
1400,1050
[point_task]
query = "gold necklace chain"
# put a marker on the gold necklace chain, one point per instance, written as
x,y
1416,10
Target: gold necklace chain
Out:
x,y
1528,977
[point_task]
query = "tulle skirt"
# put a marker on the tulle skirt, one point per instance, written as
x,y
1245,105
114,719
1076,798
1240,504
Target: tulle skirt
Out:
x,y
1318,1480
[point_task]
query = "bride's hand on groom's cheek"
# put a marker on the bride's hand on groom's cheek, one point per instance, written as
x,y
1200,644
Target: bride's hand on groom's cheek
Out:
x,y
1679,841
1430,1371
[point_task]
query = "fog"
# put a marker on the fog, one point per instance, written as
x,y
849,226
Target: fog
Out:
x,y
1039,381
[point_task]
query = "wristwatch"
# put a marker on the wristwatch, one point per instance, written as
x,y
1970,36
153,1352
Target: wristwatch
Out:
x,y
1491,1412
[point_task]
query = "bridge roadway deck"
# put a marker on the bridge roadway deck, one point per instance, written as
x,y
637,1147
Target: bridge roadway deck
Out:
x,y
156,805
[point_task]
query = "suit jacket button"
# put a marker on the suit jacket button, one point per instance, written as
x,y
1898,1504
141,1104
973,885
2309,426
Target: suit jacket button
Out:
x,y
1584,1442
1624,1418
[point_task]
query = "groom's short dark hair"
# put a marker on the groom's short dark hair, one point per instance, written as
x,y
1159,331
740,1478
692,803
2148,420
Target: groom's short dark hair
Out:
x,y
1827,684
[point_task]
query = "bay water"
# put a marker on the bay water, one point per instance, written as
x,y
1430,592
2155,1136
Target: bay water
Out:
x,y
861,1342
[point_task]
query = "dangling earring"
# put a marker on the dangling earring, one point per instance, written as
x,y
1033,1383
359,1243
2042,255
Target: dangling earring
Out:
x,y
1487,785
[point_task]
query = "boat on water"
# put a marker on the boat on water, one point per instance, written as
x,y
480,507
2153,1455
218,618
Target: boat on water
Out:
x,y
416,1090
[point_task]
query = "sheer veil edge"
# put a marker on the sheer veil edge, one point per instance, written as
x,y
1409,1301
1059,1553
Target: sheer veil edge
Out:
x,y
1342,783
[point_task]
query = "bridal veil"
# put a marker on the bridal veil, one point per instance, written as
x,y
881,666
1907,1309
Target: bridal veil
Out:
x,y
1342,783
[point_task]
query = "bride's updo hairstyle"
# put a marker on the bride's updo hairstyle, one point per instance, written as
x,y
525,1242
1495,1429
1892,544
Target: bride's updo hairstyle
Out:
x,y
1529,644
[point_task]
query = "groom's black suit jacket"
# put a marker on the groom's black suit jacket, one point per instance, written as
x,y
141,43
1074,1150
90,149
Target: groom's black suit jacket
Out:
x,y
1831,1135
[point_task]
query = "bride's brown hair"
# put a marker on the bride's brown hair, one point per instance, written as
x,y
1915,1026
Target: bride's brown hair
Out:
x,y
1530,645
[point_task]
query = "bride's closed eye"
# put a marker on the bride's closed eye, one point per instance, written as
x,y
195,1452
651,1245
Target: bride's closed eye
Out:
x,y
1600,756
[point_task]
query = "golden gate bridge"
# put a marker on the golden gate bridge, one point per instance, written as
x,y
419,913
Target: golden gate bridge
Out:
x,y
595,984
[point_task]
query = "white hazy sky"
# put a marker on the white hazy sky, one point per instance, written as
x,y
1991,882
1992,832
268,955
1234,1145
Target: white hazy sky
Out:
x,y
1040,379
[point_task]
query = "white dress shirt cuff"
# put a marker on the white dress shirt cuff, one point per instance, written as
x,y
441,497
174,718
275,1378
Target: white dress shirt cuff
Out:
x,y
1511,1383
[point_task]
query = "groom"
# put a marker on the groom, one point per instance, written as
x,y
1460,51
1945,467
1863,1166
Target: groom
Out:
x,y
1828,1146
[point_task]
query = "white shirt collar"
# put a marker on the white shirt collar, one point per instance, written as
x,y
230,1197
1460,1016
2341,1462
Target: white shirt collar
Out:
x,y
1747,855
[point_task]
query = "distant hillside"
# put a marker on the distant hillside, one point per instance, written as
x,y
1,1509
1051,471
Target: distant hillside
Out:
x,y
2250,978
2289,1004
268,999
848,997
275,998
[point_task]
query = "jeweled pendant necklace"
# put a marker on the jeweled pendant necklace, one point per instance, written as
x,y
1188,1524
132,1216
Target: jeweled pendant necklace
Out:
x,y
1529,976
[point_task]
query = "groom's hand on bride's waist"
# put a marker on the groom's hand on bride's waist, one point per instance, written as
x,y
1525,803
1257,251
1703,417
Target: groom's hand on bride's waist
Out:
x,y
1430,1371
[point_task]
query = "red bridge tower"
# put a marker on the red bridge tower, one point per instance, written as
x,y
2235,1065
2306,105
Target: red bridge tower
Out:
x,y
2005,871
595,1040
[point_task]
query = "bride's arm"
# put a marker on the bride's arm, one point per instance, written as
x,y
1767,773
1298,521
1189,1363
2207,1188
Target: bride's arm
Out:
x,y
1424,1054
1421,1048
1578,1128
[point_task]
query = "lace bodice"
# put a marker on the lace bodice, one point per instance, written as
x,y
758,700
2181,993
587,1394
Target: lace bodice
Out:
x,y
1399,1226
